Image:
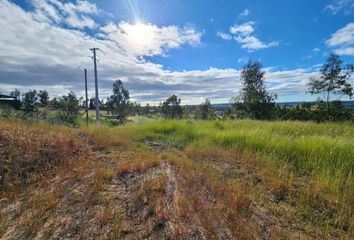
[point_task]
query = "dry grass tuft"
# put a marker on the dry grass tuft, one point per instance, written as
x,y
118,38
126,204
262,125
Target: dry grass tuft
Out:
x,y
102,138
137,161
152,191
209,202
27,148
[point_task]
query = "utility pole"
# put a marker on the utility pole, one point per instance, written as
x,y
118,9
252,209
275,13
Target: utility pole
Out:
x,y
86,97
97,102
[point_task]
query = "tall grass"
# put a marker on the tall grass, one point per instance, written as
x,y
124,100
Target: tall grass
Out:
x,y
326,148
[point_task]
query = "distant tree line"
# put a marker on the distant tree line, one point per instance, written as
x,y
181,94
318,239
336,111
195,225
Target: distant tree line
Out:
x,y
36,105
254,101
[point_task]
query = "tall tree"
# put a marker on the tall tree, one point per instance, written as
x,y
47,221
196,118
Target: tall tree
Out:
x,y
204,111
118,103
69,106
334,79
30,101
171,108
43,97
257,102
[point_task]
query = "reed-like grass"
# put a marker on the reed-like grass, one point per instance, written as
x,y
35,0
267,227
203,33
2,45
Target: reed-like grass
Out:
x,y
326,148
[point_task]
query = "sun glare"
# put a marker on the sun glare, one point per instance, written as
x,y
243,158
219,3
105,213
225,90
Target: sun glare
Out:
x,y
140,33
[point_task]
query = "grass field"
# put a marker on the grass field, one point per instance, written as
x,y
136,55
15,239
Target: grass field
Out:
x,y
199,179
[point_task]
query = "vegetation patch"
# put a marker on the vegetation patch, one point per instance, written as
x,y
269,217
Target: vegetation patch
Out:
x,y
28,148
136,162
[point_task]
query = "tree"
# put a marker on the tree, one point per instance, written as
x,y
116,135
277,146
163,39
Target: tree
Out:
x,y
334,79
204,111
118,103
54,103
171,107
69,107
92,103
30,101
257,102
147,109
43,97
15,94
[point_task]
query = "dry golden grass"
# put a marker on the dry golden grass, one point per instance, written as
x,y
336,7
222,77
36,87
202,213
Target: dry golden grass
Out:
x,y
137,161
104,138
153,191
27,148
208,201
290,195
39,201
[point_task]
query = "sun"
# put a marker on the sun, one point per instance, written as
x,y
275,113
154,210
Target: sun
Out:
x,y
140,33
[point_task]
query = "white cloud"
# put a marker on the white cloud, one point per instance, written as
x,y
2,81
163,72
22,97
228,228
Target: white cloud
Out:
x,y
252,43
74,15
224,36
47,55
344,36
349,51
343,40
291,82
338,5
244,29
148,39
243,35
242,60
244,13
314,53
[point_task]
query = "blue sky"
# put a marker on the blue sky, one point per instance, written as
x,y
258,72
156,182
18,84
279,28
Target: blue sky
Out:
x,y
299,26
195,49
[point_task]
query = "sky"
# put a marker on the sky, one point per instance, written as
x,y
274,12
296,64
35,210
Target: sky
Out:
x,y
192,48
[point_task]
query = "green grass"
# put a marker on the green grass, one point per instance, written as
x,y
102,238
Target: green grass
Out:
x,y
314,163
324,148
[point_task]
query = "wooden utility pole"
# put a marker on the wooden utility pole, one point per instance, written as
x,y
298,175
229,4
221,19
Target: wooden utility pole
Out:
x,y
86,107
97,101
